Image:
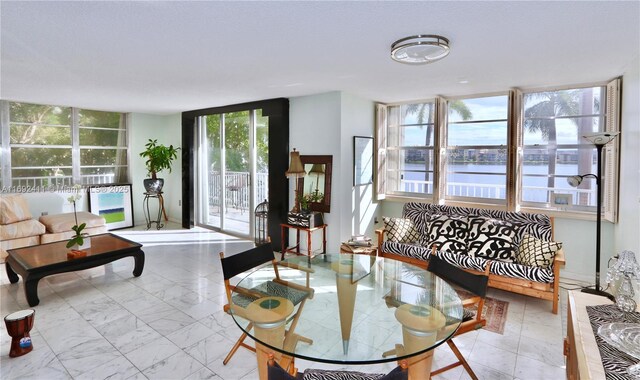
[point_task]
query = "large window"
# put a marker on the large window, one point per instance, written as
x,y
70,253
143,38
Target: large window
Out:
x,y
410,159
516,150
553,146
476,145
46,145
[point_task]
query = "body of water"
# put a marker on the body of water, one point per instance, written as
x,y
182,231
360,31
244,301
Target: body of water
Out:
x,y
534,188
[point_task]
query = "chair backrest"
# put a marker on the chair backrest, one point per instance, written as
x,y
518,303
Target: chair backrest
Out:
x,y
244,261
474,283
275,372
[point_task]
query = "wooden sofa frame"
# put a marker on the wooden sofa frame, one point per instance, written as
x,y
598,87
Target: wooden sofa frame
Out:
x,y
530,288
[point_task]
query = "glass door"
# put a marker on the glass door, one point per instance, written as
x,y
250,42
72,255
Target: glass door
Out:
x,y
233,171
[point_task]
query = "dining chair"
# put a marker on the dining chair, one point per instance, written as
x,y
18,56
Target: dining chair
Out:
x,y
474,288
275,372
250,260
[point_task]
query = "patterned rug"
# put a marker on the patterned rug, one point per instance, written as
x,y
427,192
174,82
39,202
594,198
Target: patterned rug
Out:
x,y
494,311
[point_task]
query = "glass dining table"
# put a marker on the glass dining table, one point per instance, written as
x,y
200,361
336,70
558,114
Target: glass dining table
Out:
x,y
358,309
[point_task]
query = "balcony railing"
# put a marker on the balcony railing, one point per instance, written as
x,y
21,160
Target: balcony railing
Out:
x,y
586,197
33,184
236,188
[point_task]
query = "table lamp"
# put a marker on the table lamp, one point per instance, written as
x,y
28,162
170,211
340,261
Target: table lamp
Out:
x,y
296,170
625,269
317,169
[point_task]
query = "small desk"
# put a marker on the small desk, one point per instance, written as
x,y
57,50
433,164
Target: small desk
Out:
x,y
161,211
296,248
580,347
363,307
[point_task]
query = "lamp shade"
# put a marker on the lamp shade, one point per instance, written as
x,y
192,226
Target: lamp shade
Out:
x,y
296,169
625,265
601,138
317,169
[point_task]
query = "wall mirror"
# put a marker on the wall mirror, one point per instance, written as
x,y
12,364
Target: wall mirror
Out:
x,y
315,186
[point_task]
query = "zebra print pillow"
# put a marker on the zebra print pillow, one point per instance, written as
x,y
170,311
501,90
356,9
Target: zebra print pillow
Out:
x,y
537,253
448,233
400,230
492,239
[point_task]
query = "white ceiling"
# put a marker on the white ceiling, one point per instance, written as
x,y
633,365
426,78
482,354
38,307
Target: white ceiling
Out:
x,y
167,57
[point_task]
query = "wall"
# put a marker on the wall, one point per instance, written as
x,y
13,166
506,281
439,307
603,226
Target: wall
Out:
x,y
166,129
325,124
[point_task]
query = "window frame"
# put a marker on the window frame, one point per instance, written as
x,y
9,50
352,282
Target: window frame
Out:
x,y
515,150
7,180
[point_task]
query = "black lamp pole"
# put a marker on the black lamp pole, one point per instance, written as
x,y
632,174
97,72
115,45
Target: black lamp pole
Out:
x,y
597,177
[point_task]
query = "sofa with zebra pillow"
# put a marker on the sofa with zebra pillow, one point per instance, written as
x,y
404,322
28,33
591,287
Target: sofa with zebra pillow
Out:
x,y
519,246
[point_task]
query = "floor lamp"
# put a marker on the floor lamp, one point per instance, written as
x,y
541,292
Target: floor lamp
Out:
x,y
599,140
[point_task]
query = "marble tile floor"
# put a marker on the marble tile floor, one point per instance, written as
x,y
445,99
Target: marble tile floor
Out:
x,y
169,324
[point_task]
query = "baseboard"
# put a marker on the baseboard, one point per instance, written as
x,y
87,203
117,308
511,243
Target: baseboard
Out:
x,y
581,277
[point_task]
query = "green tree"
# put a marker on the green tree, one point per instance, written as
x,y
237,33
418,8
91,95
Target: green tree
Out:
x,y
541,118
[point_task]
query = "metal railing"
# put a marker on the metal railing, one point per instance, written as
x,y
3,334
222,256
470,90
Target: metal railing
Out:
x,y
583,197
51,183
236,187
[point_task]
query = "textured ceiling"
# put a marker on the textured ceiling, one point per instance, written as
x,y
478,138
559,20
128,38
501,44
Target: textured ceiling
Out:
x,y
167,57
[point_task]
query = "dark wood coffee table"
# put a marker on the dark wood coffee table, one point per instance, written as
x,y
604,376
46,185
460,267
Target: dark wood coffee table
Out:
x,y
39,261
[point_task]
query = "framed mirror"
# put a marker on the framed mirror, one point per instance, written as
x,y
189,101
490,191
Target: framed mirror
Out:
x,y
315,186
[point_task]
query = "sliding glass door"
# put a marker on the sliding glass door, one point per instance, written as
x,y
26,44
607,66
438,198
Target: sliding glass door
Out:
x,y
233,164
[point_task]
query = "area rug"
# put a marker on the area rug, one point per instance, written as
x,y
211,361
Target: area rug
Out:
x,y
494,311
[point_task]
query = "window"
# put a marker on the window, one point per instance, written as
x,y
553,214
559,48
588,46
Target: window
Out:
x,y
514,150
46,145
553,147
410,154
476,146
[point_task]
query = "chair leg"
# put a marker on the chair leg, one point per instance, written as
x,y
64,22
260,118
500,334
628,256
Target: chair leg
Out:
x,y
239,342
461,358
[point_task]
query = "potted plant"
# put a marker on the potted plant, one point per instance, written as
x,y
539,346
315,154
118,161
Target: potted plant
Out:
x,y
159,157
80,240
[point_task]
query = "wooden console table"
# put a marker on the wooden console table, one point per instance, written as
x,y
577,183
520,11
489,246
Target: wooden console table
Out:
x,y
580,347
296,248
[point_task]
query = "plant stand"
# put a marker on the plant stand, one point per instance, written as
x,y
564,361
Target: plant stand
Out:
x,y
161,210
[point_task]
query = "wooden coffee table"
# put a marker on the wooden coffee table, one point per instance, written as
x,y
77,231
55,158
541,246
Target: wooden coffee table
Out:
x,y
39,261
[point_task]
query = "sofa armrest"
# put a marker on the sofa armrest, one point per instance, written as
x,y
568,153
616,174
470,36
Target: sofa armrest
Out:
x,y
559,258
380,237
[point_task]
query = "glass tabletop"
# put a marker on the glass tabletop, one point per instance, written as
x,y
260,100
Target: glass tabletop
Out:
x,y
356,309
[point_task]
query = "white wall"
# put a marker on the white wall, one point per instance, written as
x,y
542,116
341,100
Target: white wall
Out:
x,y
627,231
167,130
325,124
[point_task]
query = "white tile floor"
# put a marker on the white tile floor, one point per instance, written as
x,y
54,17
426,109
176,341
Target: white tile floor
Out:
x,y
169,324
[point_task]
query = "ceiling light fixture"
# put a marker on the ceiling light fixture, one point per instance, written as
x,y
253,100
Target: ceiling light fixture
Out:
x,y
420,49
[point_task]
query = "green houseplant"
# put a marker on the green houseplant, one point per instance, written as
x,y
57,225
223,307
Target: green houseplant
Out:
x,y
77,242
159,157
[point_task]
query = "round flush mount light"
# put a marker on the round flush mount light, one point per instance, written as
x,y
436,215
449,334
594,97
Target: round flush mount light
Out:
x,y
420,49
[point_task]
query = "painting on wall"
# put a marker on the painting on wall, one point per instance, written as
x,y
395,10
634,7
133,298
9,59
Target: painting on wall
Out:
x,y
114,203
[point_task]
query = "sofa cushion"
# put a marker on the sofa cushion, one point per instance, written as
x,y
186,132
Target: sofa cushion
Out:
x,y
407,250
537,253
64,222
400,230
447,233
13,208
515,270
22,229
491,238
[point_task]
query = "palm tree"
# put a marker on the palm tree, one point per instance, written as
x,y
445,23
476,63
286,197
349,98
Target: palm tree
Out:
x,y
426,114
541,117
